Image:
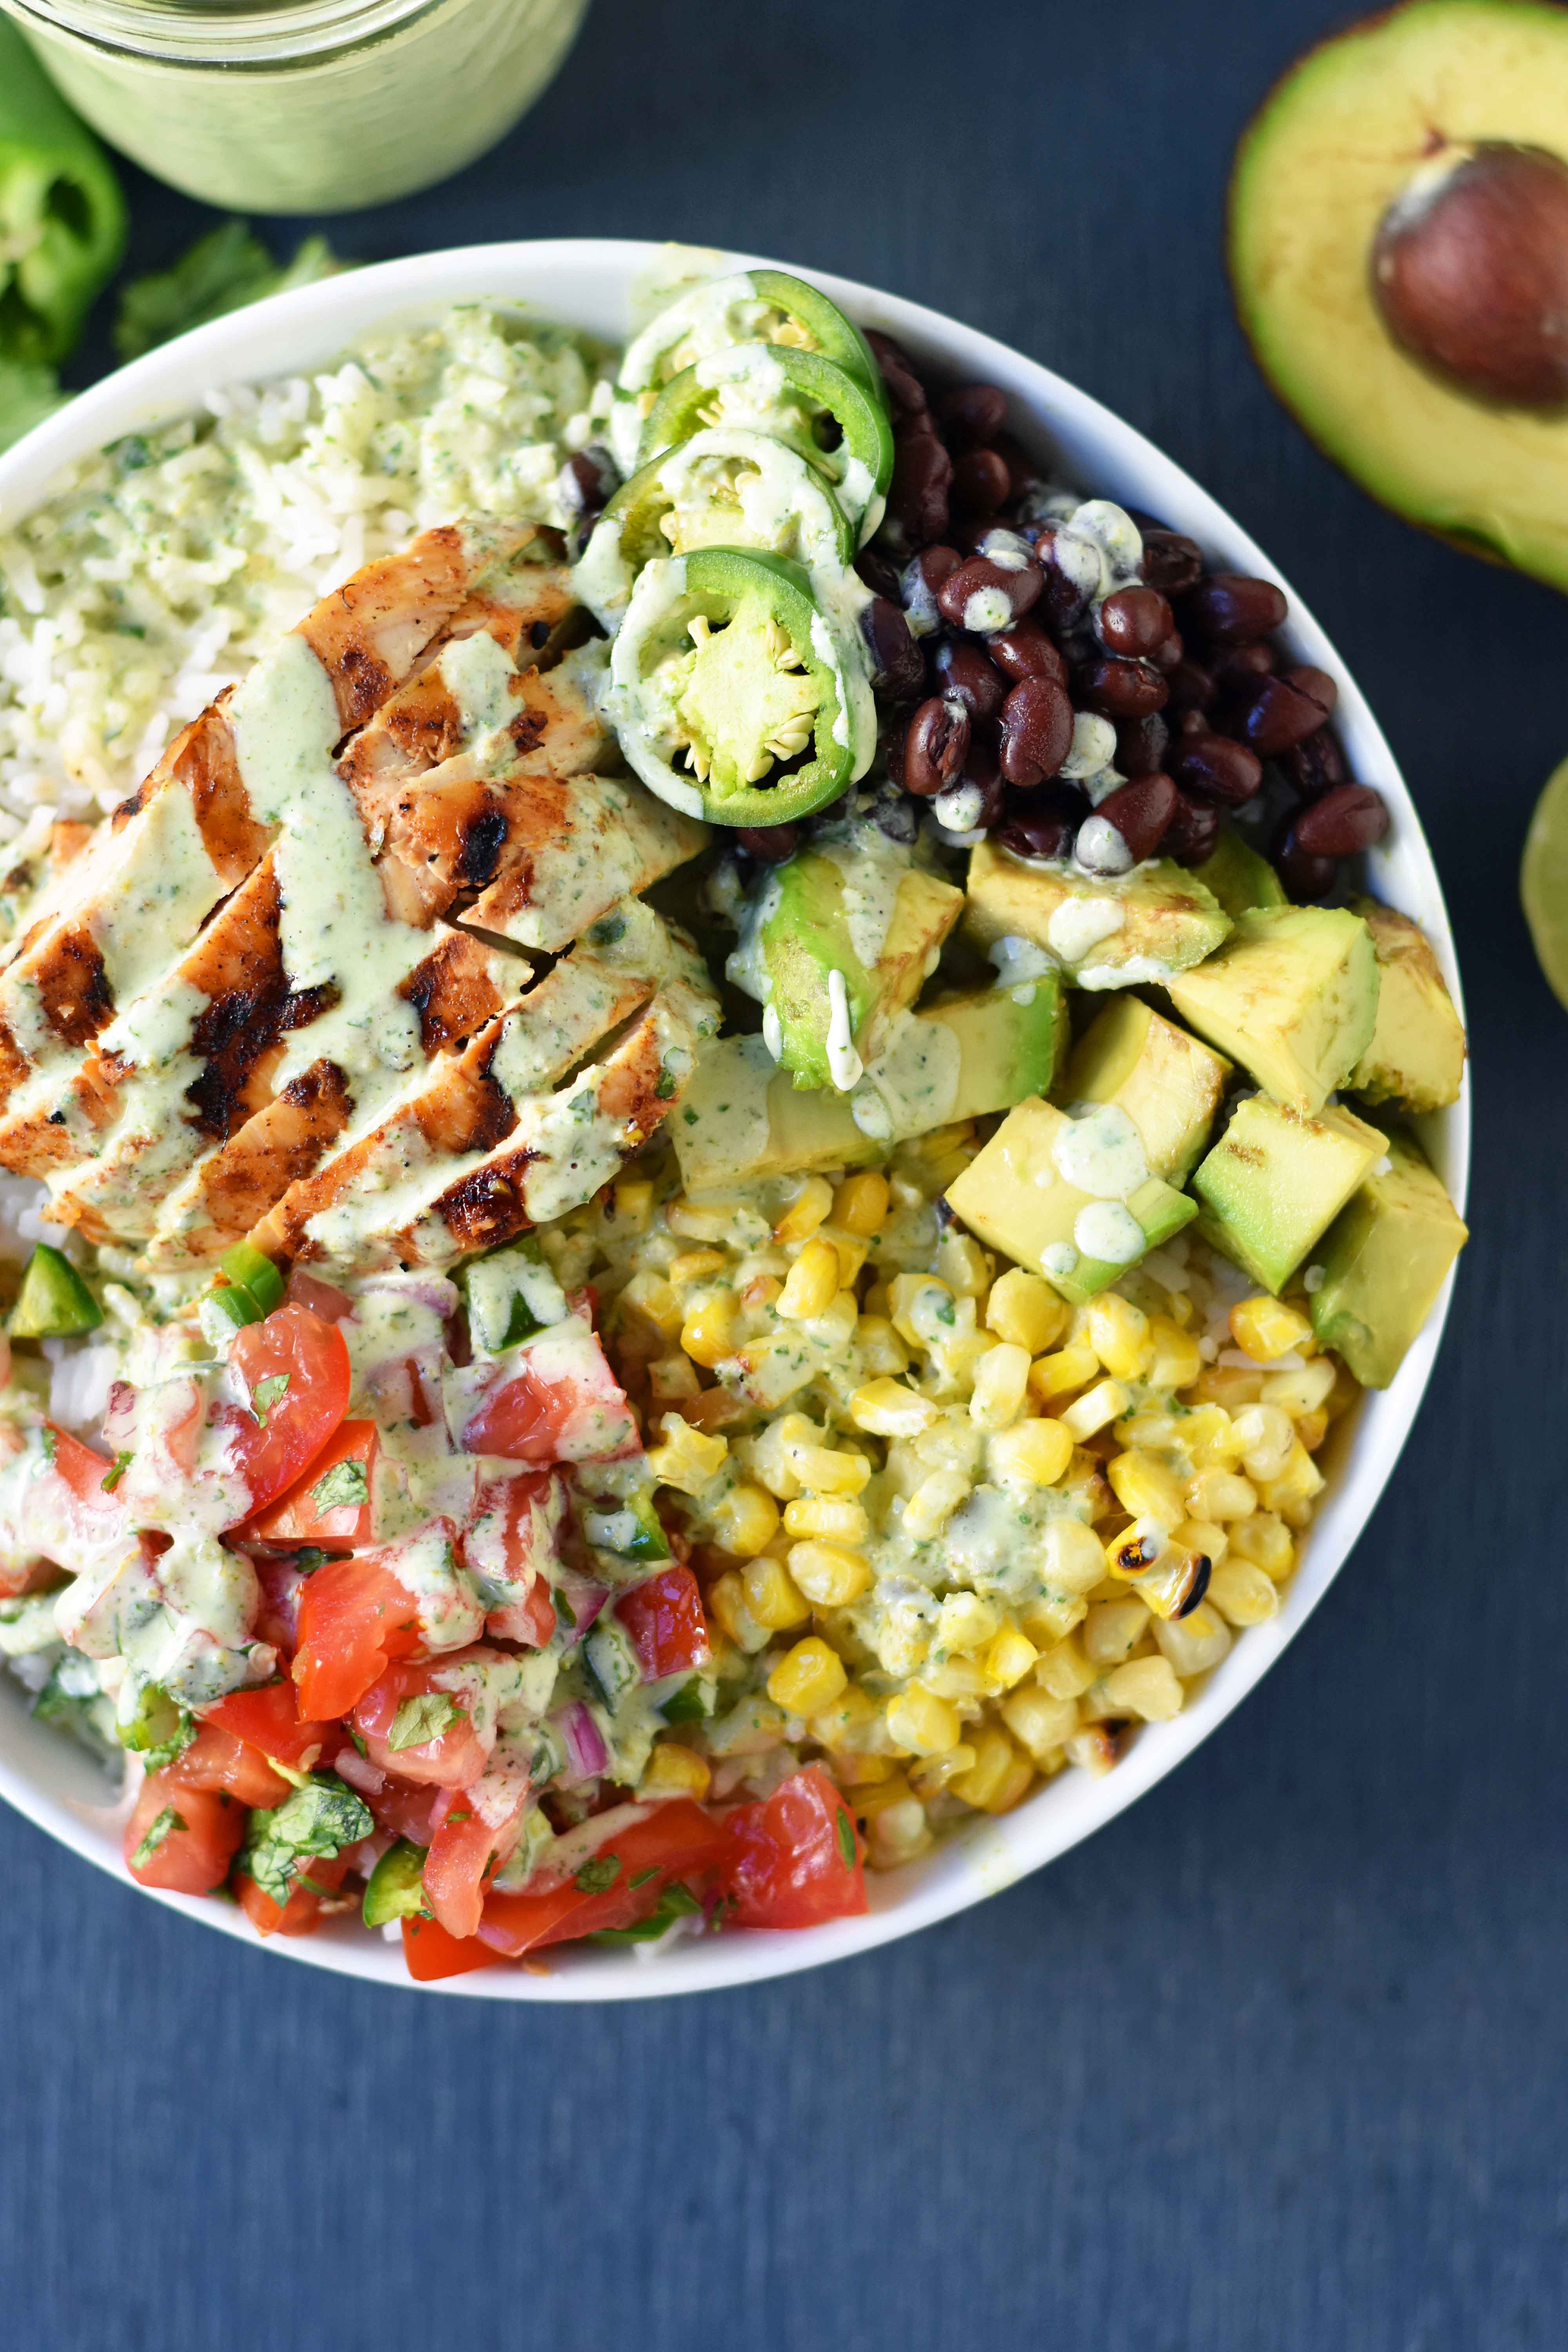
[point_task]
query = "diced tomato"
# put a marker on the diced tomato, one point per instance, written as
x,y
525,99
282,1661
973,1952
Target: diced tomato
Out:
x,y
217,1759
510,1542
465,1853
312,1357
194,1852
301,1913
355,1618
83,1471
270,1719
679,1841
430,1953
406,1806
277,1618
530,1621
561,1404
323,1299
300,1516
37,1575
795,1859
664,1618
451,1760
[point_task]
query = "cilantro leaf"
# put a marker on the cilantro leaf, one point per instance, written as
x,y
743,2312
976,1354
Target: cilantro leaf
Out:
x,y
422,1719
47,1439
319,1819
344,1484
664,1085
599,1874
677,1902
266,1394
846,1828
116,1471
160,1828
222,271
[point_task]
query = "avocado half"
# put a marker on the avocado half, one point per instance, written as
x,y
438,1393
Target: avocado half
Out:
x,y
1336,141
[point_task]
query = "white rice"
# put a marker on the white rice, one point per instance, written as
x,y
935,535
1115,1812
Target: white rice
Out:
x,y
158,571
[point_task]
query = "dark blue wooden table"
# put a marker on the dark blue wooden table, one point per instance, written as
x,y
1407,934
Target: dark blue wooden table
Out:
x,y
1275,2062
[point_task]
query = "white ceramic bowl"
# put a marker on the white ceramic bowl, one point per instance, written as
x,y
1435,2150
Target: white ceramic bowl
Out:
x,y
592,283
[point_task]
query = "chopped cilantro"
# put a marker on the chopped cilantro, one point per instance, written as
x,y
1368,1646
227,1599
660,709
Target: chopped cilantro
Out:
x,y
565,1614
664,1085
266,1393
47,1439
946,1310
599,1874
690,1117
321,1817
116,1471
344,1484
642,1878
604,933
422,1719
677,1902
846,1828
166,1822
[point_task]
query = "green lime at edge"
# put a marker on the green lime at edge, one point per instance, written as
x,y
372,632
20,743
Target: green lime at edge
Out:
x,y
1543,880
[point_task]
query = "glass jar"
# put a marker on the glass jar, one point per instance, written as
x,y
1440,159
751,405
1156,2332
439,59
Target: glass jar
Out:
x,y
300,105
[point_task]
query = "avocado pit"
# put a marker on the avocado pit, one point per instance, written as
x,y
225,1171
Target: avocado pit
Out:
x,y
1469,271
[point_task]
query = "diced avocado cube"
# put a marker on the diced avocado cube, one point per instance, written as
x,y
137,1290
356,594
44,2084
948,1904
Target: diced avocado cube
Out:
x,y
53,1302
1292,997
1112,932
396,1889
742,1116
1017,1195
1385,1260
1239,878
825,994
1418,1052
1169,1085
1276,1179
509,1294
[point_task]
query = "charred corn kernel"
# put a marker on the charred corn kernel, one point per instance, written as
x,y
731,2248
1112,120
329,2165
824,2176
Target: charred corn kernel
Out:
x,y
1148,1687
811,1285
988,1784
850,1251
1300,1392
1264,1328
1133,1549
674,1772
709,1409
1095,1409
810,1676
1297,1481
830,1575
1009,1657
744,1521
1145,1487
671,1378
824,1469
811,1207
760,1293
881,1350
1177,1580
691,1265
852,1725
931,1776
933,1503
1072,1367
1312,1428
922,1309
1001,1385
1096,1748
1113,1629
965,1622
1032,1452
648,1298
1065,1671
1239,1589
1195,1643
632,1198
1266,1539
1119,1333
867,1798
922,1724
726,1600
897,1835
1221,1494
708,1224
1176,1360
711,1332
688,1458
887,1409
1024,1309
860,1203
1266,1439
1228,1385
962,1262
1205,1536
836,1519
1038,1721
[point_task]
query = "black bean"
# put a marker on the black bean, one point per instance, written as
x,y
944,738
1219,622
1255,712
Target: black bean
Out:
x,y
880,575
962,669
1194,831
770,843
1170,654
1121,690
1140,813
1171,562
1306,877
587,482
1025,651
1349,818
1279,715
1191,687
1239,668
1133,621
935,746
1232,608
983,766
979,588
895,814
1315,766
906,393
1022,471
979,483
898,665
972,414
1066,604
917,493
1036,730
1215,768
1042,823
1140,745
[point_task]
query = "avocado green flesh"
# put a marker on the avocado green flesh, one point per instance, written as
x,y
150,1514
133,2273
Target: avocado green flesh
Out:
x,y
1333,145
1416,1057
1117,933
1383,1262
1276,1181
53,1302
1292,996
1169,1085
808,938
1239,878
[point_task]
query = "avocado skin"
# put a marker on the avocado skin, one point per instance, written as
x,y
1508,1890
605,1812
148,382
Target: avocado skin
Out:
x,y
1385,1260
1276,1181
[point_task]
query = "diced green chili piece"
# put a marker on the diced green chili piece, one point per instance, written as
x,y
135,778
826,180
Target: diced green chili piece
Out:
x,y
641,505
53,1302
63,217
396,1889
247,1269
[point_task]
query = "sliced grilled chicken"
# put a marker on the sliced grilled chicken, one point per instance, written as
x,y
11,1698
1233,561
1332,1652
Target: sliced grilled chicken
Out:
x,y
33,871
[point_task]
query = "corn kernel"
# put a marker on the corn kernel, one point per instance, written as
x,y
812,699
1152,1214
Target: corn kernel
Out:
x,y
744,1521
1176,1361
1024,1309
1036,1452
1298,1480
1065,1671
691,1265
1070,1555
760,1293
963,1264
772,1597
1195,1643
881,1350
687,1459
1119,1333
887,1409
1229,1385
674,1772
860,1203
930,1778
708,1222
922,1724
811,1207
1001,1384
632,1198
1221,1494
1009,1657
852,1725
1041,1723
1096,1748
992,1781
649,1299
849,1768
709,1409
1303,1391
1312,1428
1072,1367
836,1518
1145,1488
851,1252
1095,1409
810,1676
1242,1593
671,1379
726,1603
811,1285
824,1469
1264,1327
965,1622
897,1835
1051,1617
866,1799
830,1575
711,1332
1113,1629
1266,1539
922,1309
1266,1439
1205,1535
933,1503
1147,1687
